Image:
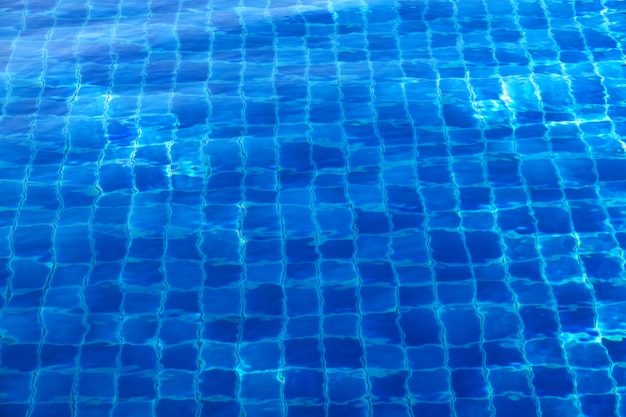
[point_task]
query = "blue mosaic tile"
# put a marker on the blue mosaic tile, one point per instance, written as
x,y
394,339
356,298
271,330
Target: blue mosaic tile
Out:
x,y
312,208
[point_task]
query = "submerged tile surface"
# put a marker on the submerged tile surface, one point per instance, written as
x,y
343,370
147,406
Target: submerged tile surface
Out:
x,y
312,208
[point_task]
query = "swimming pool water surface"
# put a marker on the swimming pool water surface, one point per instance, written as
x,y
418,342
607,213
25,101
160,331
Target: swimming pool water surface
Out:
x,y
312,208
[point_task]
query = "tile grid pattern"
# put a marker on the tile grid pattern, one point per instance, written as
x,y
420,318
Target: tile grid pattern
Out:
x,y
337,250
466,308
315,225
403,371
284,261
22,194
500,400
608,364
576,372
479,306
583,370
498,374
200,241
559,201
84,283
411,150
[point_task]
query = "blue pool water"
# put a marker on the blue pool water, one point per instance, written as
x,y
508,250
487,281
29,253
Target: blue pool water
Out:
x,y
313,208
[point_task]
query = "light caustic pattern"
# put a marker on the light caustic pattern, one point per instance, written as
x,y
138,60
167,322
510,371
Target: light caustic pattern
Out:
x,y
312,208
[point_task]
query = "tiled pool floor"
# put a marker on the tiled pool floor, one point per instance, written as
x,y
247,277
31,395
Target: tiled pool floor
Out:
x,y
312,208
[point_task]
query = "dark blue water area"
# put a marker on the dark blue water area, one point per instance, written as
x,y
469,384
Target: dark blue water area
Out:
x,y
312,208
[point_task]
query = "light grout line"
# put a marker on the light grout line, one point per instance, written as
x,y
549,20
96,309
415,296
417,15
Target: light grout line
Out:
x,y
318,230
206,158
137,116
365,11
3,114
589,152
159,342
355,232
475,303
242,209
505,259
66,150
75,394
284,261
